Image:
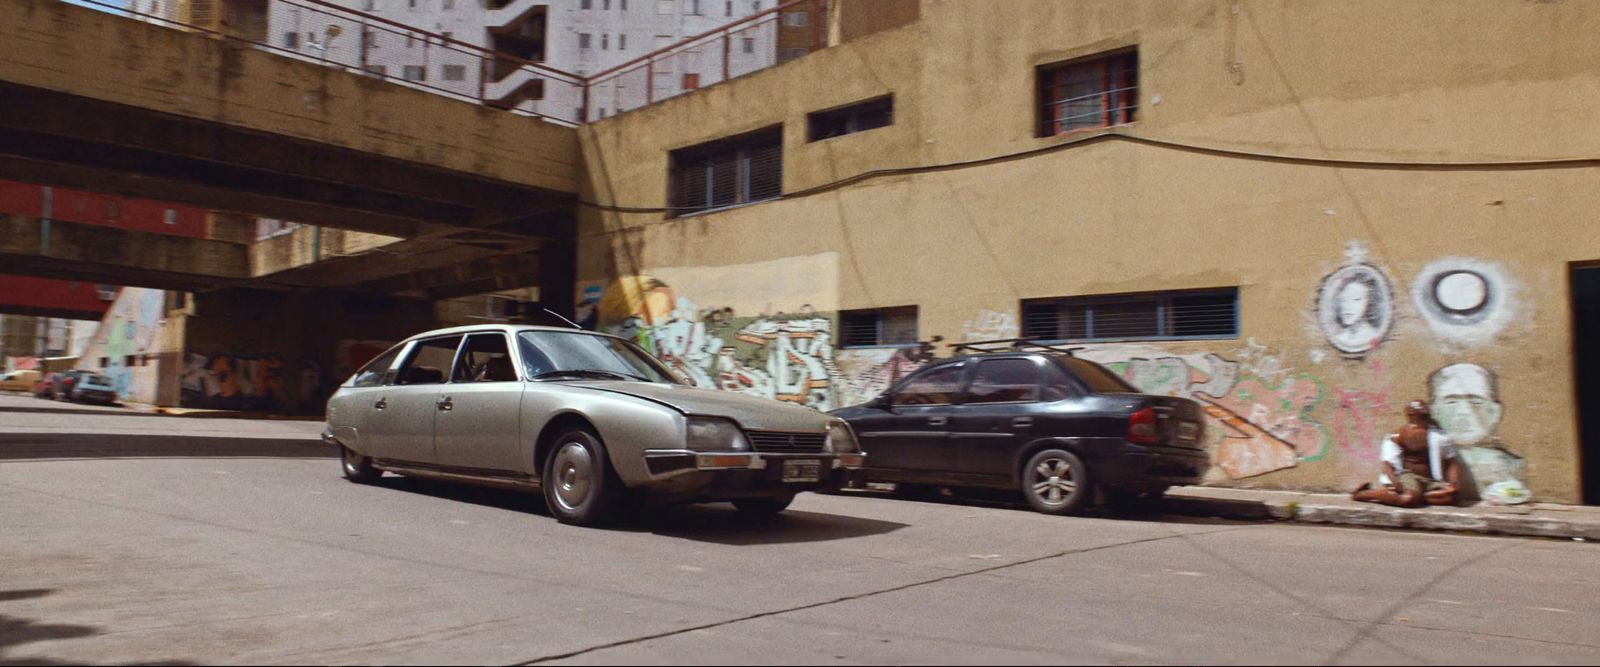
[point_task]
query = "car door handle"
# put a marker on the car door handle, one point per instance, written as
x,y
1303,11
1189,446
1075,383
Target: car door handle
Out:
x,y
937,421
446,404
1022,422
381,404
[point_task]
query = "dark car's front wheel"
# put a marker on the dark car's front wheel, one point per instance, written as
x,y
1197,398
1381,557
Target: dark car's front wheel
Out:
x,y
1056,481
579,485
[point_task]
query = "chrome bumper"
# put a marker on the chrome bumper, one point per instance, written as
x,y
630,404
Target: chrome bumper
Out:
x,y
669,463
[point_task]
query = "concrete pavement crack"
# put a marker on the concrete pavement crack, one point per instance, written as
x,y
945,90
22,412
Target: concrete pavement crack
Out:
x,y
860,596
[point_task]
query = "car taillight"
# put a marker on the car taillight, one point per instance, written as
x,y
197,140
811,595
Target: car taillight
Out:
x,y
1142,427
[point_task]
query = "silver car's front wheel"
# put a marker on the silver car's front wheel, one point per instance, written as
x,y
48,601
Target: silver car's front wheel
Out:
x,y
358,468
579,485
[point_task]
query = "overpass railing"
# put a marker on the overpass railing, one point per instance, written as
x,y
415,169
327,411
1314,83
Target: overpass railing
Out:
x,y
335,36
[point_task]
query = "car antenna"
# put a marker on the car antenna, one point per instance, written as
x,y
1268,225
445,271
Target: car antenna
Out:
x,y
563,319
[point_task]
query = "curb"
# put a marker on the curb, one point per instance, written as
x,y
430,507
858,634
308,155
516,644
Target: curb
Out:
x,y
232,414
1458,520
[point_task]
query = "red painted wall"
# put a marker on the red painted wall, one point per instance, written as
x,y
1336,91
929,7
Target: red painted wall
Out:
x,y
92,208
49,293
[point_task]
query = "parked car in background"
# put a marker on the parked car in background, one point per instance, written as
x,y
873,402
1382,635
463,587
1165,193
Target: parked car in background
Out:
x,y
93,388
45,387
22,380
592,421
1032,418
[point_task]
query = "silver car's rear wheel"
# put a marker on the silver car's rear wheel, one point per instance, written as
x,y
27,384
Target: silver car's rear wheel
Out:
x,y
579,485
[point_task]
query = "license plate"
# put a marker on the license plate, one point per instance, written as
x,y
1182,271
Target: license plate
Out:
x,y
802,470
1187,430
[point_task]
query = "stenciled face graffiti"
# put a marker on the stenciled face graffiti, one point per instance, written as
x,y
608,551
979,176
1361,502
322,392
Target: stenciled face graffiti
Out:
x,y
1465,302
1354,308
1466,405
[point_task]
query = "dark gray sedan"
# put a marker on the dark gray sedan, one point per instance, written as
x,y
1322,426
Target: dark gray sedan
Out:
x,y
590,420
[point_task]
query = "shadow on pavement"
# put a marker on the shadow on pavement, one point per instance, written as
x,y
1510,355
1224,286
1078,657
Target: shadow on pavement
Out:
x,y
16,631
1166,510
69,409
15,446
712,522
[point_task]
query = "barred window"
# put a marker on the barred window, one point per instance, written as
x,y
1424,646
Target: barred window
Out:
x,y
858,117
1147,316
1098,92
878,326
738,170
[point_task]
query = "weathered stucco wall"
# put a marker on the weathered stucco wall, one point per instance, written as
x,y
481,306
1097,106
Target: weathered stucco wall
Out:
x,y
1460,265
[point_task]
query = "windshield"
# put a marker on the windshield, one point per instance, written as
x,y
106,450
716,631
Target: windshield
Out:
x,y
1100,379
99,379
563,354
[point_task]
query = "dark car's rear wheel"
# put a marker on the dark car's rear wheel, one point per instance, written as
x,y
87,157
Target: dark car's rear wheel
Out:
x,y
762,506
579,485
358,468
1056,481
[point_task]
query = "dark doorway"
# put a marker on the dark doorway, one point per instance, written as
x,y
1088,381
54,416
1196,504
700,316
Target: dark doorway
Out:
x,y
1586,367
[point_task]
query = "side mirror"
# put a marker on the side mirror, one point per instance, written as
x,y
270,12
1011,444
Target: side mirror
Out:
x,y
879,402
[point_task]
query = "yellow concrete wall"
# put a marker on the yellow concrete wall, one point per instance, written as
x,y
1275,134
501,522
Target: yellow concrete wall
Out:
x,y
1424,81
57,46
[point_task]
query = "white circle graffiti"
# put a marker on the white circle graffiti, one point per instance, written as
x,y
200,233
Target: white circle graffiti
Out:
x,y
1461,291
1355,309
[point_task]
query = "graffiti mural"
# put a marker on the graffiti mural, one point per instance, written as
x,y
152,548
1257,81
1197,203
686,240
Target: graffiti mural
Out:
x,y
1259,412
128,334
1465,302
990,325
1355,306
1466,404
234,382
1359,424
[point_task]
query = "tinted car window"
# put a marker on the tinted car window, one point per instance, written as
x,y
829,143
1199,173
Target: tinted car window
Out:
x,y
429,361
1056,384
1099,378
371,375
485,358
546,352
934,387
1003,381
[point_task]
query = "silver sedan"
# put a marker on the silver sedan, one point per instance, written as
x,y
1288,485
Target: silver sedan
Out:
x,y
592,421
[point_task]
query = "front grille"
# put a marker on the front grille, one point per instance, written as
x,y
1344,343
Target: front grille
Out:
x,y
778,442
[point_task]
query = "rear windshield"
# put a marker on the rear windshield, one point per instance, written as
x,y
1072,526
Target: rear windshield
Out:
x,y
1099,378
99,379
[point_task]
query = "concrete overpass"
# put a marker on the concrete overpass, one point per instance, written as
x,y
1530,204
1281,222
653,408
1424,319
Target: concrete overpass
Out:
x,y
105,103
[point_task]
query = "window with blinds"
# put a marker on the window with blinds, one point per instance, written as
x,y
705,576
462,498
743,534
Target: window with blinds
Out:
x,y
1096,92
878,326
739,170
1148,316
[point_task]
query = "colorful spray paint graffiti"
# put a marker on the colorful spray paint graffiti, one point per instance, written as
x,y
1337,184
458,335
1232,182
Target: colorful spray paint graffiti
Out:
x,y
788,356
129,332
234,382
1260,412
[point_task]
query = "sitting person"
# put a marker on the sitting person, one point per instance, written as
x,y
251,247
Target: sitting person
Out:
x,y
1419,465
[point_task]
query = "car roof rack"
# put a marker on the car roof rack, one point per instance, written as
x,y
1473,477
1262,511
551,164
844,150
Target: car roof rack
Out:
x,y
1009,345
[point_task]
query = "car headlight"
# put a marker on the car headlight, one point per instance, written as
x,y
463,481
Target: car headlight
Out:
x,y
715,435
841,440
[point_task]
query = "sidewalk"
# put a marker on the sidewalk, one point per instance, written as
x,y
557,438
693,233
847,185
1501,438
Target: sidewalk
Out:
x,y
1576,522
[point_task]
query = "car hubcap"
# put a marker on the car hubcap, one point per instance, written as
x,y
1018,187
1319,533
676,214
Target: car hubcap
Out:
x,y
1053,482
574,474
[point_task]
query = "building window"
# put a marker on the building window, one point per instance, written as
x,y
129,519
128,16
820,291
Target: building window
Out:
x,y
130,360
747,44
455,73
171,216
367,6
878,326
624,5
795,19
291,40
586,4
664,6
411,40
369,38
606,4
858,117
738,170
605,41
1099,92
449,4
414,73
1147,316
694,7
377,70
583,40
622,41
728,10
691,81
411,3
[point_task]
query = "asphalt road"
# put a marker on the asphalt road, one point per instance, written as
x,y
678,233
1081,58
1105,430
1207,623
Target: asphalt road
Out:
x,y
120,543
